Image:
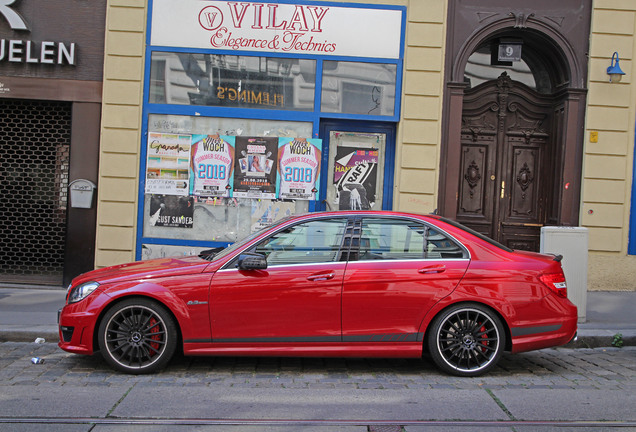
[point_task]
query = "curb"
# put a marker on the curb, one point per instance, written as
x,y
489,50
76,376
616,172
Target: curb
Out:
x,y
8,334
602,338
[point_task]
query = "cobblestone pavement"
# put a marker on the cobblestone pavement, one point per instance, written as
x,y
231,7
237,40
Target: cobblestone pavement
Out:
x,y
598,368
562,390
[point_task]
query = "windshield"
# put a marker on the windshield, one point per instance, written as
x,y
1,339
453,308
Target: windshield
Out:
x,y
234,246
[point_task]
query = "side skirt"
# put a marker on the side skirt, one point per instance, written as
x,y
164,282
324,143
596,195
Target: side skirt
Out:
x,y
328,349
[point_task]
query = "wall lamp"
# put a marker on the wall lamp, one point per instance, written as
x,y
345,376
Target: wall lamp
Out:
x,y
614,71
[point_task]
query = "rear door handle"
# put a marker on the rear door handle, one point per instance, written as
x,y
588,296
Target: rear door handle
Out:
x,y
433,269
321,276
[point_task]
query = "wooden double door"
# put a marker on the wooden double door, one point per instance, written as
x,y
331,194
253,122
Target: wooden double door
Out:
x,y
509,152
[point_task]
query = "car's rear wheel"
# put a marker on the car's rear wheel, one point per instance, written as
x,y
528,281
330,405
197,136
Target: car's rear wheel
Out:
x,y
137,336
466,340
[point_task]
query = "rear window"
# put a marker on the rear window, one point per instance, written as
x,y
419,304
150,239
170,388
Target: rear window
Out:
x,y
475,233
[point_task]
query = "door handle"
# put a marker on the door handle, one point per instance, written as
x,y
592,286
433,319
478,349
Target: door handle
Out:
x,y
321,277
433,269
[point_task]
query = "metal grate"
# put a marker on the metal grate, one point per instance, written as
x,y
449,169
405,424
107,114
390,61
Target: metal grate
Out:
x,y
34,162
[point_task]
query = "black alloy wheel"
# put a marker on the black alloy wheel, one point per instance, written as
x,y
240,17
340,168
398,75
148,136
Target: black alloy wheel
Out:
x,y
137,336
466,340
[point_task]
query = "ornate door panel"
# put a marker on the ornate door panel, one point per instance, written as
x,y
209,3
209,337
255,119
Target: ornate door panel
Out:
x,y
477,185
505,178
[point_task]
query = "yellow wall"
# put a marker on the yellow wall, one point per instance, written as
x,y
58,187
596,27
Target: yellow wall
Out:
x,y
418,141
121,132
607,171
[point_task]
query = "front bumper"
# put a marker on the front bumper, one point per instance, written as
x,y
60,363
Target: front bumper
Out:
x,y
76,325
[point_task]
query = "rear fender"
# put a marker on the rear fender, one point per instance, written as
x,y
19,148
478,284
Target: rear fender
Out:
x,y
499,306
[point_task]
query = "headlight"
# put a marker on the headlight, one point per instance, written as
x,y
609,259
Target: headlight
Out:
x,y
82,291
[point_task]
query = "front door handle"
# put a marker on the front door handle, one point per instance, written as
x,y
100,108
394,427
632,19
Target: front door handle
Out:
x,y
321,276
441,268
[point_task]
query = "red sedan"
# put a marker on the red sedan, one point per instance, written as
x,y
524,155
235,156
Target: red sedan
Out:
x,y
346,284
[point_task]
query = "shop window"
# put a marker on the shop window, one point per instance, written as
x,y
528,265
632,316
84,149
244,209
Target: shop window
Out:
x,y
232,81
187,210
358,88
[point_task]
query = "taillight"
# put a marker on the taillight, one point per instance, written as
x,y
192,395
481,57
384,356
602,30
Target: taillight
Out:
x,y
556,283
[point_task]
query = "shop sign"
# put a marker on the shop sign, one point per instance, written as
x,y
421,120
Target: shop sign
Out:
x,y
46,52
16,22
313,29
28,51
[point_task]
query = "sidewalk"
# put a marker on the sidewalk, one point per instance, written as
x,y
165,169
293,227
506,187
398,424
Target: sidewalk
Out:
x,y
29,313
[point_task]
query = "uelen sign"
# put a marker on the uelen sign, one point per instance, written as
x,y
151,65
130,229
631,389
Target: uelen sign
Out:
x,y
313,29
27,51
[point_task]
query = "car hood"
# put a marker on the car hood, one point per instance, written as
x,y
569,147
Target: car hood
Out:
x,y
149,269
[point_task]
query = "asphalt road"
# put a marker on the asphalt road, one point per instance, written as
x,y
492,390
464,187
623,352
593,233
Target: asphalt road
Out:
x,y
555,389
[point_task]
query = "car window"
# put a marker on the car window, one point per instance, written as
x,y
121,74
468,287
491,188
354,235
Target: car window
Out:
x,y
309,242
402,239
239,244
475,233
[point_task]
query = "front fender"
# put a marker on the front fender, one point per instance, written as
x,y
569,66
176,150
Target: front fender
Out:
x,y
185,300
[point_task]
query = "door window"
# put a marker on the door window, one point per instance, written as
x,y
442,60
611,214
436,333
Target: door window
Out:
x,y
317,241
395,239
356,170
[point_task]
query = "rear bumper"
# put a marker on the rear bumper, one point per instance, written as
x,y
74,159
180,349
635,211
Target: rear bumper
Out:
x,y
546,336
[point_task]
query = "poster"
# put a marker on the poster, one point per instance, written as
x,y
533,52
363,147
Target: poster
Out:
x,y
255,167
168,164
212,165
266,212
298,168
172,211
355,178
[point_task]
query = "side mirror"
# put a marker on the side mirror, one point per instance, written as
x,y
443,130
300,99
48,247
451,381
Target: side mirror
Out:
x,y
252,261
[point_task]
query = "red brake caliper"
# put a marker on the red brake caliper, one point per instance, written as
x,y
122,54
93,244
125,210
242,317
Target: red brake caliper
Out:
x,y
155,329
482,330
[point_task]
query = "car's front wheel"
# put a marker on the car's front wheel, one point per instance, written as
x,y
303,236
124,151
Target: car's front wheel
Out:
x,y
137,336
466,340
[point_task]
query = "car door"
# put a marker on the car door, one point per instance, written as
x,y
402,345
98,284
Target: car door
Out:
x,y
403,267
296,299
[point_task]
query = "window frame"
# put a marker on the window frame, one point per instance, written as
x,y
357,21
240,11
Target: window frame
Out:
x,y
341,255
428,226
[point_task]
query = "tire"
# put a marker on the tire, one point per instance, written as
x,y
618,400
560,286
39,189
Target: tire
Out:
x,y
466,340
137,336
